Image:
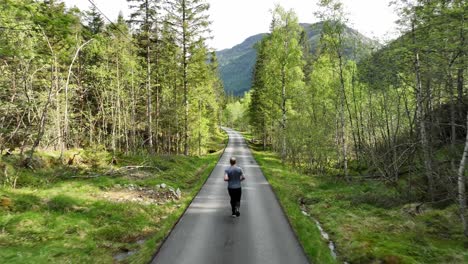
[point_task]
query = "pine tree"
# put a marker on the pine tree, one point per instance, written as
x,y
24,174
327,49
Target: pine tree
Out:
x,y
189,20
146,14
95,22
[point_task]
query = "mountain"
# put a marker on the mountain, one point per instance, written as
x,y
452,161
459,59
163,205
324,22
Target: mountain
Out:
x,y
236,64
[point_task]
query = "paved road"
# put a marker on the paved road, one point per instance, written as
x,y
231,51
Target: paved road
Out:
x,y
208,234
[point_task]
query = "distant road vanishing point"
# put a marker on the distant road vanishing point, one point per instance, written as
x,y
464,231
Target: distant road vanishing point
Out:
x,y
207,234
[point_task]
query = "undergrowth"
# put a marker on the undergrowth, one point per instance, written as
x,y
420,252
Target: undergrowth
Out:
x,y
59,213
369,221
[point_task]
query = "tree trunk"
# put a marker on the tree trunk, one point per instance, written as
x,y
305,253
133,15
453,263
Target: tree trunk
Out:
x,y
58,117
185,81
133,118
462,184
453,128
422,124
342,119
283,110
460,77
42,122
356,138
460,86
199,126
149,108
66,129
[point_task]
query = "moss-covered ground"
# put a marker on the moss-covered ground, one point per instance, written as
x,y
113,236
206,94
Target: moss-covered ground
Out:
x,y
367,220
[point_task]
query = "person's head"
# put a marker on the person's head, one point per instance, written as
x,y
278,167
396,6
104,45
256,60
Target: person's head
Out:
x,y
232,161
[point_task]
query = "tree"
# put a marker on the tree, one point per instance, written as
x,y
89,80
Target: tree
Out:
x,y
189,21
462,184
284,67
147,15
95,22
334,42
259,106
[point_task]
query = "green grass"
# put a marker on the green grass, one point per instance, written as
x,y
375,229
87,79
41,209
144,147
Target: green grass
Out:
x,y
53,217
366,220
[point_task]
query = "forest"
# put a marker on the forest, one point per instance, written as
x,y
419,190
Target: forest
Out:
x,y
106,127
71,79
396,114
109,128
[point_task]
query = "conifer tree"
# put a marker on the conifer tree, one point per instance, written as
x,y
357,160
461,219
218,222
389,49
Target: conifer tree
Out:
x,y
146,14
188,19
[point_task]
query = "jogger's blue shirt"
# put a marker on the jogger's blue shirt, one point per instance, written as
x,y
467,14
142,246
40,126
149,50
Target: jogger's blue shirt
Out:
x,y
234,173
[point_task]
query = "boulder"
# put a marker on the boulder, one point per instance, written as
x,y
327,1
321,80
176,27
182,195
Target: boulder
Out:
x,y
414,208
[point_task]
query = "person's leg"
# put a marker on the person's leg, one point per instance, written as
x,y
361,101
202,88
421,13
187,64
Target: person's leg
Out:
x,y
233,200
237,200
239,194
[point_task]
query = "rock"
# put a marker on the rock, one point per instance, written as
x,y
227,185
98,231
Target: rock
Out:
x,y
325,236
414,208
163,185
178,193
124,255
305,213
303,208
322,232
409,225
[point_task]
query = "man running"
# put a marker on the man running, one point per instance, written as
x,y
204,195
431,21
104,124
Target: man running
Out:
x,y
234,175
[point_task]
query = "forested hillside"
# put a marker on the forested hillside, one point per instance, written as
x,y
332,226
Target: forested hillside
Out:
x,y
108,127
236,64
399,112
72,79
397,117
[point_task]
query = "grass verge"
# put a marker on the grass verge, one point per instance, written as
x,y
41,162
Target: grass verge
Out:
x,y
365,219
94,211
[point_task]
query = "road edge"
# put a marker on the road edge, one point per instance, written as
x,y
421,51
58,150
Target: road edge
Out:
x,y
191,201
279,202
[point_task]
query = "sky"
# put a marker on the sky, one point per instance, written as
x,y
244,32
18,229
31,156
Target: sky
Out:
x,y
235,20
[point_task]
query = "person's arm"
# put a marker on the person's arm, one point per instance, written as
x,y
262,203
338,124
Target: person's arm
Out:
x,y
242,177
226,177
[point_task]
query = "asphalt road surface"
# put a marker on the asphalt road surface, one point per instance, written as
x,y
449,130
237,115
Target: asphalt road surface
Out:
x,y
207,233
